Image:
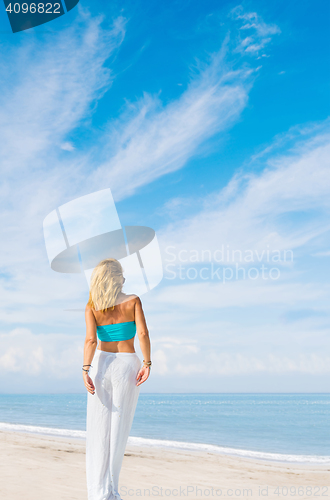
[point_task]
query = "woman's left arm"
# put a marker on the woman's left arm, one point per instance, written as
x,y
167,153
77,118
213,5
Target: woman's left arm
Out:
x,y
89,347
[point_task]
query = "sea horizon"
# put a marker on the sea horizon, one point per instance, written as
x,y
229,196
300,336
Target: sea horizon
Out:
x,y
161,392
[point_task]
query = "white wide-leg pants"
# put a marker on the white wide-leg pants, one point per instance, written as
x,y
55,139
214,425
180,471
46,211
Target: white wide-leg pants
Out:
x,y
110,413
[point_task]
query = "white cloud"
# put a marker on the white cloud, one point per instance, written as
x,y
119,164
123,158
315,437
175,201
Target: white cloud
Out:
x,y
56,355
160,362
67,146
59,357
322,254
246,293
241,364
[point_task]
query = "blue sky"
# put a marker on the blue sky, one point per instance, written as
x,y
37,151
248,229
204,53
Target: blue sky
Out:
x,y
210,123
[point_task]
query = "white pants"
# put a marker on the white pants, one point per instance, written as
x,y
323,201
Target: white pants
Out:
x,y
110,413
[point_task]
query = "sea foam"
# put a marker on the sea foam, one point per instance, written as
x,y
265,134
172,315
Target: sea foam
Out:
x,y
179,445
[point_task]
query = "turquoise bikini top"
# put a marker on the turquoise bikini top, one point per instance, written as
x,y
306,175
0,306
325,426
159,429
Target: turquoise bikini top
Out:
x,y
116,332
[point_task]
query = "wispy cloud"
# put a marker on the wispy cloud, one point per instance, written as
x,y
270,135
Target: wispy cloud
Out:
x,y
50,88
259,33
150,140
262,211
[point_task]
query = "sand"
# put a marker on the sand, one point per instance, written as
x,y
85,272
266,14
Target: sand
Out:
x,y
35,467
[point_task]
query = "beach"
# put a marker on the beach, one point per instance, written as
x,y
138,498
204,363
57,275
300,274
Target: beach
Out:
x,y
37,467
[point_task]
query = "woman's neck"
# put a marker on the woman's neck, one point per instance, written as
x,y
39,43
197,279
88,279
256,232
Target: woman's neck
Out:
x,y
120,298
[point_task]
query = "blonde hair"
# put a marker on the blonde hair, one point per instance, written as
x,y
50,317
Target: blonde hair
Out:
x,y
105,285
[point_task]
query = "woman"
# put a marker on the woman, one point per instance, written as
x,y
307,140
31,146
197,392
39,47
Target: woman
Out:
x,y
112,375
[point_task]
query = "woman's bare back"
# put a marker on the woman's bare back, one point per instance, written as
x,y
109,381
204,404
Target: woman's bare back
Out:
x,y
123,312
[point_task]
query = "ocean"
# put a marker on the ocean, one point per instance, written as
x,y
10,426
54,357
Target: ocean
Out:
x,y
280,427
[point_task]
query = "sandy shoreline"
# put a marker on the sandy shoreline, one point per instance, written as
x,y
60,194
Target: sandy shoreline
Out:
x,y
35,467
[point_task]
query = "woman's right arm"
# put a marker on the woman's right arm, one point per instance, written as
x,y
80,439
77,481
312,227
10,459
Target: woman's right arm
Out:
x,y
144,340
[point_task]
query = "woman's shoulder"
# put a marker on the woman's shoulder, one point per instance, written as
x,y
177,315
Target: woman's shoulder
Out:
x,y
130,303
89,312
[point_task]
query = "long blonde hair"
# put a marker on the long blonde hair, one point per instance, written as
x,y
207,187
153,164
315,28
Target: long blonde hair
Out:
x,y
105,285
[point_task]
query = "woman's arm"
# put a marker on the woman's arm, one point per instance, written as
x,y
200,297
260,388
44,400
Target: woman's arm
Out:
x,y
143,335
89,347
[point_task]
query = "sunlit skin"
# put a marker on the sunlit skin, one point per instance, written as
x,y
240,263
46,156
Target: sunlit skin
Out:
x,y
127,308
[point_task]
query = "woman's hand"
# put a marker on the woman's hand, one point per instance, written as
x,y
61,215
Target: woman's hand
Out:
x,y
88,383
143,375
